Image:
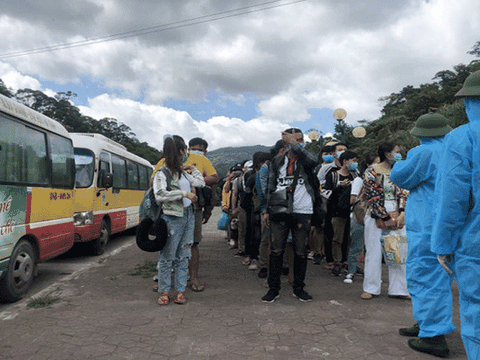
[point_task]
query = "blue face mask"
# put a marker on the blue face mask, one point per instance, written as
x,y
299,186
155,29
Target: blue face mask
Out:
x,y
196,152
396,157
328,158
302,144
353,166
472,108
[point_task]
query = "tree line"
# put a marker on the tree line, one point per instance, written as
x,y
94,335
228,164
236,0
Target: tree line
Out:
x,y
61,108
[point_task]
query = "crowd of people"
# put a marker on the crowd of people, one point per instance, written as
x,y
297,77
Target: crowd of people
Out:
x,y
289,205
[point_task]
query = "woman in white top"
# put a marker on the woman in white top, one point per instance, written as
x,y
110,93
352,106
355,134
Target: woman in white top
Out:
x,y
173,191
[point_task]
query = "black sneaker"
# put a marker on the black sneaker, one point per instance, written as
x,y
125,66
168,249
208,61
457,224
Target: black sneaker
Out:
x,y
337,270
262,274
317,259
435,345
302,295
270,296
411,331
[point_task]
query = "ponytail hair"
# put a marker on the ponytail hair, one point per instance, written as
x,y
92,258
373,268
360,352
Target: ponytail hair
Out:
x,y
172,146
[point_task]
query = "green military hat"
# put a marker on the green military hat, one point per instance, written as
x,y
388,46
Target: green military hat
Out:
x,y
431,125
471,86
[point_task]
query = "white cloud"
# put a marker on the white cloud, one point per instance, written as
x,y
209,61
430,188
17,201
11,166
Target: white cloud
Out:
x,y
311,55
151,122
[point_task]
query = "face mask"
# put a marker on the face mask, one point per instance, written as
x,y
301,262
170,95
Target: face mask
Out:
x,y
196,152
328,158
339,153
396,157
302,144
353,166
472,108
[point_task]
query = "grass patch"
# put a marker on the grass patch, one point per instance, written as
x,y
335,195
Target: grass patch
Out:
x,y
42,301
144,270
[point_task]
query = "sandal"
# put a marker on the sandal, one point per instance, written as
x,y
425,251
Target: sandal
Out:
x,y
366,296
180,298
163,299
197,286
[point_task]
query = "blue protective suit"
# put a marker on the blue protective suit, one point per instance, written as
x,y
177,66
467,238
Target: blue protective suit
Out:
x,y
456,227
428,284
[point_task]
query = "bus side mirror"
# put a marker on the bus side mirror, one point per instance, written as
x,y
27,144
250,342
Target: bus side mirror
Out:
x,y
107,180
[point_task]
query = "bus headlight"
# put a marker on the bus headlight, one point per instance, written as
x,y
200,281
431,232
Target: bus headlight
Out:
x,y
83,218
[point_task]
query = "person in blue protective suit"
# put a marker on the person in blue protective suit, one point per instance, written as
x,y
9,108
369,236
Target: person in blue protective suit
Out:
x,y
456,227
428,284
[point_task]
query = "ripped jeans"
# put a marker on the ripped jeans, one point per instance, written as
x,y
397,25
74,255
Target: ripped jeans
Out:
x,y
177,250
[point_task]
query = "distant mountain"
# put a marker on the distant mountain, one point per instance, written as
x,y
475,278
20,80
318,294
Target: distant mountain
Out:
x,y
224,158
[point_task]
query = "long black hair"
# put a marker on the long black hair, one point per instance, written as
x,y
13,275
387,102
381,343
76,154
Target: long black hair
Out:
x,y
172,147
384,149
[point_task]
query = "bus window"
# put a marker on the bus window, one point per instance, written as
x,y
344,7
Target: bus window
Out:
x,y
103,167
132,175
143,177
119,172
23,154
84,167
62,158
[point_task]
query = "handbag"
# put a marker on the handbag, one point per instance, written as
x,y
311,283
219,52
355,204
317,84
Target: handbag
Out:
x,y
394,247
223,222
278,202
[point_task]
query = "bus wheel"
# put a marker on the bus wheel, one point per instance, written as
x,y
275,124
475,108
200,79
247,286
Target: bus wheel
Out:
x,y
20,273
98,245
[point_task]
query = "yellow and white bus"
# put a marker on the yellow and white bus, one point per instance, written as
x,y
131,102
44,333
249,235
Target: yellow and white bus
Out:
x,y
37,174
110,183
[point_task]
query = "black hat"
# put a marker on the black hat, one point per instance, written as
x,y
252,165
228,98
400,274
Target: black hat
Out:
x,y
236,167
152,236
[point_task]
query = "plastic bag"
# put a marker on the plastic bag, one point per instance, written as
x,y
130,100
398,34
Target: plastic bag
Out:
x,y
394,247
223,222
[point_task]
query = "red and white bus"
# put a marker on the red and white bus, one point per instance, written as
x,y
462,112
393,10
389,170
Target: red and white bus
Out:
x,y
37,175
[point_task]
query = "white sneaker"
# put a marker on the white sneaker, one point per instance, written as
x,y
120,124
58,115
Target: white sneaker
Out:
x,y
310,255
232,242
348,278
247,261
254,265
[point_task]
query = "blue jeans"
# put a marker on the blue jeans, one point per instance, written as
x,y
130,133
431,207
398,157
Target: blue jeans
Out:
x,y
357,233
177,250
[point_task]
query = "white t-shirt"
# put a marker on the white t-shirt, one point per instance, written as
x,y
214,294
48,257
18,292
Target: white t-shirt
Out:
x,y
185,186
302,201
357,184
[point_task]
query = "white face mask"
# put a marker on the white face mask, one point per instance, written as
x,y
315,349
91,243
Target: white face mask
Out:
x,y
196,152
340,152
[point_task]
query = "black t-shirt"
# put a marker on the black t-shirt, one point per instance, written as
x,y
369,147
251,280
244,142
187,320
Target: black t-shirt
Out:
x,y
339,202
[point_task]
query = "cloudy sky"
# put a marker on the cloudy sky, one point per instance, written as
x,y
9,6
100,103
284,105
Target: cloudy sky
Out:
x,y
234,72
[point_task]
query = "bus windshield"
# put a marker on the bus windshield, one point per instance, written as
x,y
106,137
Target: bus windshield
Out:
x,y
84,167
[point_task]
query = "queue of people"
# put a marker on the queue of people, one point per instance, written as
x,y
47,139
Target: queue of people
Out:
x,y
290,205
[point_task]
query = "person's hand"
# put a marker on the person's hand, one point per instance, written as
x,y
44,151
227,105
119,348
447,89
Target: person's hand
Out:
x,y
187,167
445,261
266,219
206,216
400,220
192,197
